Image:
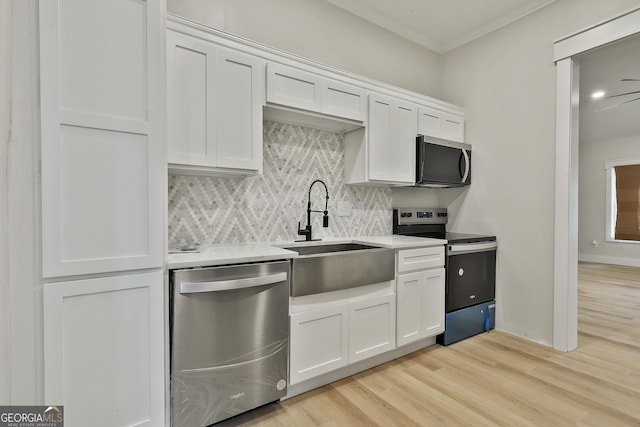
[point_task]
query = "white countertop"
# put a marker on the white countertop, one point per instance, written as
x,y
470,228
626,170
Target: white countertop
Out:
x,y
228,254
395,241
224,254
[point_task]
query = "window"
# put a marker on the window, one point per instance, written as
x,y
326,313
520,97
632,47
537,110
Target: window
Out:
x,y
623,200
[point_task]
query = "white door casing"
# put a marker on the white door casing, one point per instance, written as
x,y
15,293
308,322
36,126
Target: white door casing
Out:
x,y
565,333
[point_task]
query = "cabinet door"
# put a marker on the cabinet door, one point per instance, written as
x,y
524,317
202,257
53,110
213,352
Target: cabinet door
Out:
x,y
371,327
420,305
404,143
381,158
452,127
294,88
319,342
439,124
102,135
409,307
104,350
191,112
239,100
343,100
433,302
391,140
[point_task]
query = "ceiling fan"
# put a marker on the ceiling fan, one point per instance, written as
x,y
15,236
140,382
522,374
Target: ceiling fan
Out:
x,y
621,94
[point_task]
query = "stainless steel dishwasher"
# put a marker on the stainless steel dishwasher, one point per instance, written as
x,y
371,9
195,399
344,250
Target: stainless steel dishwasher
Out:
x,y
229,331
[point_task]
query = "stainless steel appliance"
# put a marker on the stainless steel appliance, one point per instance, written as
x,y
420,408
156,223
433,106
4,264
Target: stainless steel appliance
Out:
x,y
327,268
470,265
441,163
229,331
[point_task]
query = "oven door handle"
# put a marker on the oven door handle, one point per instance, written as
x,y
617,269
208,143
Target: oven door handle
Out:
x,y
471,247
227,285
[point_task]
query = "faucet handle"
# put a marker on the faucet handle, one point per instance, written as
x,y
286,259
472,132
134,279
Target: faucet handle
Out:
x,y
301,232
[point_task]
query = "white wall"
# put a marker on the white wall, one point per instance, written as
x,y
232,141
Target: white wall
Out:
x,y
592,199
5,13
506,83
325,33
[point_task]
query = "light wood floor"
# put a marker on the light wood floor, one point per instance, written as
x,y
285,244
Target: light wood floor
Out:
x,y
496,378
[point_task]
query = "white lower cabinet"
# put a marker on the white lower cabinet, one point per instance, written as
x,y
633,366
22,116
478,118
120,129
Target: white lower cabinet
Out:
x,y
330,332
104,350
420,298
319,342
371,327
420,286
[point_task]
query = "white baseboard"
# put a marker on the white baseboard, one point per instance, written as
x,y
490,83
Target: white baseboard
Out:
x,y
631,262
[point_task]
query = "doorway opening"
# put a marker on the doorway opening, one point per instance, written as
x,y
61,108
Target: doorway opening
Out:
x,y
567,56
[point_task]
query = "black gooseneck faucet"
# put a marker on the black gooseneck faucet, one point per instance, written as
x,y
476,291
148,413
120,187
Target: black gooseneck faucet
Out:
x,y
306,232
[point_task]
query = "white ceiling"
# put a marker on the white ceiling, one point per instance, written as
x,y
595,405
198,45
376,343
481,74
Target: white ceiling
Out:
x,y
602,69
441,25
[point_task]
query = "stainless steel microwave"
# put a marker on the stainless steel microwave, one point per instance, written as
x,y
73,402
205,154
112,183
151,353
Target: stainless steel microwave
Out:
x,y
441,163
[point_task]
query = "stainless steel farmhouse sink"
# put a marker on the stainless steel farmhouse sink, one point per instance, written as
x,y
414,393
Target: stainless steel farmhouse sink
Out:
x,y
324,249
332,267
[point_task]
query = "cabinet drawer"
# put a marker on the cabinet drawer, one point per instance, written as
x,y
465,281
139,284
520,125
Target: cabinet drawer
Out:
x,y
420,258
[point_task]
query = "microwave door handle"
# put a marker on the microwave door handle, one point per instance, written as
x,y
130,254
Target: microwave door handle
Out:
x,y
466,165
421,161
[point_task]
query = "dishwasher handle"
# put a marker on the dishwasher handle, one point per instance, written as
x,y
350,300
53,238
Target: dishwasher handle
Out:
x,y
228,285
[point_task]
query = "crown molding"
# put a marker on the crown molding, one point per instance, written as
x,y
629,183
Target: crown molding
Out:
x,y
398,28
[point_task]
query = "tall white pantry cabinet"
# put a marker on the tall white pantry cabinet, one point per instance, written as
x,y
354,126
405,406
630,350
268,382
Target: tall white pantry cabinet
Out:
x,y
103,168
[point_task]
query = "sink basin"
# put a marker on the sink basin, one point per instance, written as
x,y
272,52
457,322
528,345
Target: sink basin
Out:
x,y
323,249
332,267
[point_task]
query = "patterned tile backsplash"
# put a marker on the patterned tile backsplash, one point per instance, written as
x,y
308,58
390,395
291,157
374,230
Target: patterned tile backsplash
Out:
x,y
261,208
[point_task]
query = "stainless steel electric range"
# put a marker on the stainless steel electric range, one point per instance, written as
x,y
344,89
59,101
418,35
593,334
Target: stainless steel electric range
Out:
x,y
470,265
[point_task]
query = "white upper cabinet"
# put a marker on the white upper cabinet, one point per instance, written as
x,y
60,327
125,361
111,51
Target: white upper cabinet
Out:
x,y
214,106
440,124
343,100
218,85
384,152
293,88
102,135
